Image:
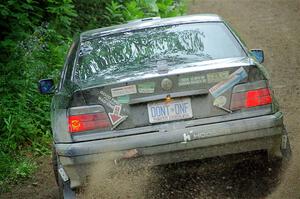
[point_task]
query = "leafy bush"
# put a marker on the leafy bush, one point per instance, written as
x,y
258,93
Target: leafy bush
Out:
x,y
34,39
95,13
18,19
30,50
26,112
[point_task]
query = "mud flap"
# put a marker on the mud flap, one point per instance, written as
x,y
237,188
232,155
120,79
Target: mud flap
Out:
x,y
285,145
64,184
68,193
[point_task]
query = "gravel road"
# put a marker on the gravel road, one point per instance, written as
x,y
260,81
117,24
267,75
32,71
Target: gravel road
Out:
x,y
272,25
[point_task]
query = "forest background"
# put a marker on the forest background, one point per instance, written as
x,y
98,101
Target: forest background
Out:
x,y
34,39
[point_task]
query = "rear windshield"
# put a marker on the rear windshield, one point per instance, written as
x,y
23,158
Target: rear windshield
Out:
x,y
131,55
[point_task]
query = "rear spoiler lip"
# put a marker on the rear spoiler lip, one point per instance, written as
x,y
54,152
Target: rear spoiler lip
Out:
x,y
172,95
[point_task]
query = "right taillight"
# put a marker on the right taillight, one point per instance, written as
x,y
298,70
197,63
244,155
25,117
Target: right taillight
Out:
x,y
251,98
82,119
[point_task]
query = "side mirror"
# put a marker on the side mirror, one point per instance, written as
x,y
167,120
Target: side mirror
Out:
x,y
258,54
46,86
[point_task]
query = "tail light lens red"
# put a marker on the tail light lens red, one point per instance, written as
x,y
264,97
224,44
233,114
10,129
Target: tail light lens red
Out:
x,y
89,121
250,99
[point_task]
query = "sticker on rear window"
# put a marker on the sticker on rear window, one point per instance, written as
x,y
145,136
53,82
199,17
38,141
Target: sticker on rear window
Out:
x,y
147,87
225,85
125,90
186,81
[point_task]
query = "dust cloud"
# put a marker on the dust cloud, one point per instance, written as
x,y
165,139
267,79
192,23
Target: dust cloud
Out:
x,y
111,178
290,176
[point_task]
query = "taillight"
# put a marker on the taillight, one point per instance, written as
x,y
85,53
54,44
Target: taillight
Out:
x,y
80,121
250,99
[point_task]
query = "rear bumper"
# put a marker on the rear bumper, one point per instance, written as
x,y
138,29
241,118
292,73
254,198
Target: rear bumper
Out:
x,y
176,145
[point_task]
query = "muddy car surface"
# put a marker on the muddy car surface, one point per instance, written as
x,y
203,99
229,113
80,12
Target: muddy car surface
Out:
x,y
157,91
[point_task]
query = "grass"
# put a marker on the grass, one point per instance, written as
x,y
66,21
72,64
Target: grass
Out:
x,y
19,167
35,48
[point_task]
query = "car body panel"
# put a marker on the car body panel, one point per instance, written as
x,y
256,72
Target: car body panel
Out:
x,y
164,127
173,133
175,145
137,104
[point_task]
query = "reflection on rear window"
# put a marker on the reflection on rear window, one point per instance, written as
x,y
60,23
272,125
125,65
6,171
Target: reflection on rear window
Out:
x,y
133,54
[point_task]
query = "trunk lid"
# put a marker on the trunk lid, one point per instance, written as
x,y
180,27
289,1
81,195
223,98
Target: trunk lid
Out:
x,y
191,93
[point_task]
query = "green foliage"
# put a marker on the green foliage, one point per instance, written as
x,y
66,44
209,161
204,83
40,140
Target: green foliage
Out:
x,y
89,14
169,8
136,9
14,168
140,9
114,13
25,114
18,19
34,39
99,13
61,13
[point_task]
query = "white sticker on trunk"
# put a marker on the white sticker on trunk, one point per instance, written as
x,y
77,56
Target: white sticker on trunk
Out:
x,y
125,90
217,76
186,81
115,117
220,101
227,84
147,87
107,100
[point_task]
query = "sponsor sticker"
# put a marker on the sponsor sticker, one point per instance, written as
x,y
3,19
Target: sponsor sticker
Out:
x,y
220,101
217,76
186,138
123,99
147,87
107,100
186,81
191,135
125,90
115,117
225,85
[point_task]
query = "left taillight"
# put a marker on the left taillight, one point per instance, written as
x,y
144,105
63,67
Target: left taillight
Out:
x,y
251,98
87,118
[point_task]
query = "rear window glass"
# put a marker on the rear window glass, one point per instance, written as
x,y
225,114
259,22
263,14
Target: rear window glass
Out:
x,y
131,55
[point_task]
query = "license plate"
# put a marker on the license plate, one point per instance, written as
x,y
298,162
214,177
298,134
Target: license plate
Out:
x,y
177,109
